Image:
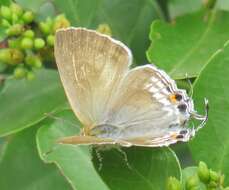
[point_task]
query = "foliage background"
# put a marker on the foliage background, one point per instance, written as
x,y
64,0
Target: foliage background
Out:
x,y
180,36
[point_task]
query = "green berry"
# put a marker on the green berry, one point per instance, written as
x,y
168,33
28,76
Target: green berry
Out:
x,y
6,12
60,22
33,61
28,17
30,75
19,72
45,28
15,8
38,63
14,43
192,182
104,29
203,172
26,43
50,40
173,184
29,34
11,56
15,30
39,43
5,23
212,184
214,176
14,17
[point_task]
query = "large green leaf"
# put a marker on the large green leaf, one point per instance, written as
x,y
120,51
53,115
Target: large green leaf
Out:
x,y
181,7
74,162
184,47
212,143
138,168
24,102
148,168
129,20
32,5
22,169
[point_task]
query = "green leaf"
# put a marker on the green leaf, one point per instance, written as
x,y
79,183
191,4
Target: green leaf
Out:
x,y
149,167
24,103
73,161
128,20
181,7
5,2
45,10
31,5
22,169
222,4
211,144
138,168
184,47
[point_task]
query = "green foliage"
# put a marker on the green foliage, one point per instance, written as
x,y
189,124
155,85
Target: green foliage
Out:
x,y
34,113
184,47
212,83
20,161
25,37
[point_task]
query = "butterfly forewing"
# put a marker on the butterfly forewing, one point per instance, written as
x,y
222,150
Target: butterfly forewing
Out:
x,y
91,67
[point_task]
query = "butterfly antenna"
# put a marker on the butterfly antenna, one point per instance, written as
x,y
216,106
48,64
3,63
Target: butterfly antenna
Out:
x,y
202,118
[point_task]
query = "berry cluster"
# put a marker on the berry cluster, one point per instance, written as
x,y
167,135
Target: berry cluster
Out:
x,y
28,44
204,178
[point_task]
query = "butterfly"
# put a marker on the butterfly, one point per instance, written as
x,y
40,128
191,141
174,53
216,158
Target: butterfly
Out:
x,y
118,105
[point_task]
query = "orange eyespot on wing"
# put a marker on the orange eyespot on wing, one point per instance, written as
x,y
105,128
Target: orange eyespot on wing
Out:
x,y
172,98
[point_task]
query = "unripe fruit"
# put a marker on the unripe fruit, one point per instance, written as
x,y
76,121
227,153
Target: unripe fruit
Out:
x,y
39,43
214,176
11,56
60,22
14,43
45,28
19,72
104,29
26,43
14,17
6,12
30,75
15,30
29,34
192,182
50,40
173,184
212,184
28,17
15,8
203,172
5,23
33,61
38,63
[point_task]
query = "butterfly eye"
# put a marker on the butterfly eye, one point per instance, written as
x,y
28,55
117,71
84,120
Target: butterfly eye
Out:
x,y
182,107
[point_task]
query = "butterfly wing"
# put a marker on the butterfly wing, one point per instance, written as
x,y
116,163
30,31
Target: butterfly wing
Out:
x,y
144,112
91,66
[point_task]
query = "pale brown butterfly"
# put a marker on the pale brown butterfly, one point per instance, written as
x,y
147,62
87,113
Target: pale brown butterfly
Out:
x,y
116,104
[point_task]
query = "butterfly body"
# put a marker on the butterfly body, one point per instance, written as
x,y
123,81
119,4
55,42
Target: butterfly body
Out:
x,y
116,104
